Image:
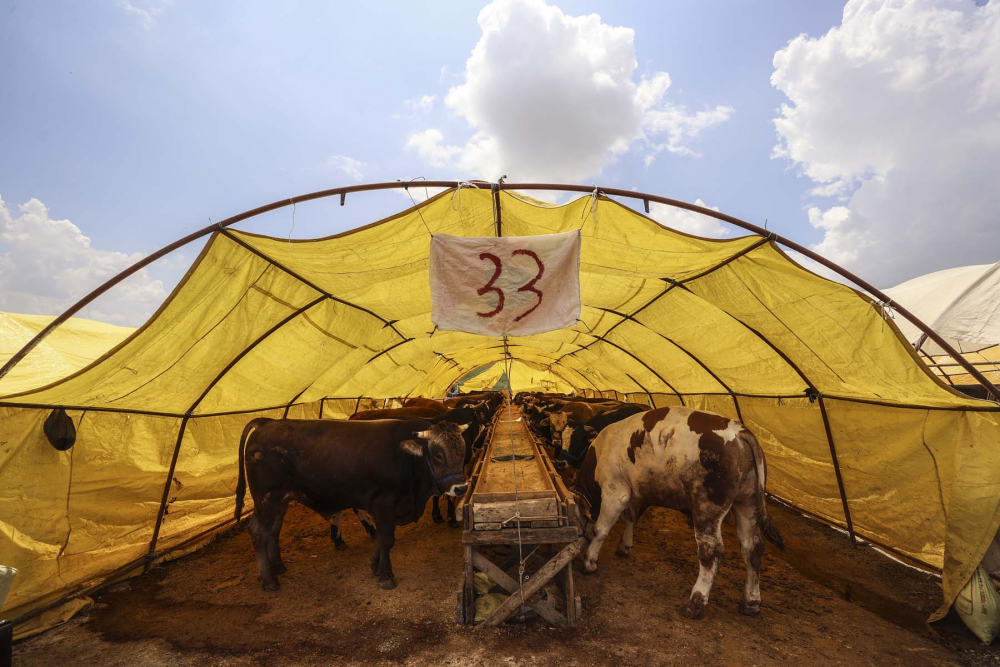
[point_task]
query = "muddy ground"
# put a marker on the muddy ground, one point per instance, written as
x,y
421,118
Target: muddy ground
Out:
x,y
824,602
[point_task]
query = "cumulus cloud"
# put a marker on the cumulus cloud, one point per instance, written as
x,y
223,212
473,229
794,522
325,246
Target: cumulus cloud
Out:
x,y
555,97
348,165
895,115
46,265
688,221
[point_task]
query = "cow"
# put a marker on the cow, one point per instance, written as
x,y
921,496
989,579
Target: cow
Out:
x,y
387,468
576,437
682,459
412,412
476,415
581,412
419,402
337,537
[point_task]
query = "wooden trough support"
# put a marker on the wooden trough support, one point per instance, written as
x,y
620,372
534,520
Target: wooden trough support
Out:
x,y
534,514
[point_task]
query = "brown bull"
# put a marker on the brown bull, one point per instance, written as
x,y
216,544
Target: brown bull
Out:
x,y
686,460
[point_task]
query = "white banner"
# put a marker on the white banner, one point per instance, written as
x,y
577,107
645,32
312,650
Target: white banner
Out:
x,y
515,285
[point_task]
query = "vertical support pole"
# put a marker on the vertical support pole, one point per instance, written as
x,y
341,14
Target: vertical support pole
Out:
x,y
736,402
836,470
468,588
498,224
322,402
166,492
357,405
570,593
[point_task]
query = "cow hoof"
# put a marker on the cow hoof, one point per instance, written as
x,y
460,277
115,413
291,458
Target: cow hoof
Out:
x,y
386,584
695,607
340,546
750,608
438,519
589,568
279,568
453,524
272,585
623,551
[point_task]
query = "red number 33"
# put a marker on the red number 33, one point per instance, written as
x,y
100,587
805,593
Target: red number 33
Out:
x,y
527,287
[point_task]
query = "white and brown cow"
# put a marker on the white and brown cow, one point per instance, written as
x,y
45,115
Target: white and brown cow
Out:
x,y
687,460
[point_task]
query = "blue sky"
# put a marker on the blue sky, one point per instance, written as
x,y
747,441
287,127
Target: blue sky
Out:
x,y
138,122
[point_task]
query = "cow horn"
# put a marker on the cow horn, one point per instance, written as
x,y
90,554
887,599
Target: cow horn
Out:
x,y
462,427
423,435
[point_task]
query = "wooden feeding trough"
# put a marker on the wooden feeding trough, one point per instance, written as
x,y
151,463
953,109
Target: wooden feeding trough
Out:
x,y
516,498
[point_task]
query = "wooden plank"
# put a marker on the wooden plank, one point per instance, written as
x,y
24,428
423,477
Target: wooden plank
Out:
x,y
543,576
570,593
469,589
479,497
529,509
528,535
545,606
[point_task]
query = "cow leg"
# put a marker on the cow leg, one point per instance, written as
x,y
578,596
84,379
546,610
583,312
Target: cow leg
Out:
x,y
436,510
367,522
335,535
625,546
752,547
386,538
273,546
613,506
260,537
708,535
452,519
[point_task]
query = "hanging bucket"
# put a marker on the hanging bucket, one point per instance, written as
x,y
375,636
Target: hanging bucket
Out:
x,y
6,580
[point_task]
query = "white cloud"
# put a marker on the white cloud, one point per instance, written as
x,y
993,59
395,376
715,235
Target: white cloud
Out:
x,y
418,106
46,265
429,146
688,221
555,97
146,15
348,165
896,112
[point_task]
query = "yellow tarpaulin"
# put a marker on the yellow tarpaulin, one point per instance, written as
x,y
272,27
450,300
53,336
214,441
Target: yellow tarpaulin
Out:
x,y
264,326
523,376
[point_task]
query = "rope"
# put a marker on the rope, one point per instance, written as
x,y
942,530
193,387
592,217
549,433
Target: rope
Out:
x,y
508,366
292,229
591,209
458,193
885,310
427,195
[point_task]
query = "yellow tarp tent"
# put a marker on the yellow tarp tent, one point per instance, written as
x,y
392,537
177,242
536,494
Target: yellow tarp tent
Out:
x,y
261,326
523,376
70,347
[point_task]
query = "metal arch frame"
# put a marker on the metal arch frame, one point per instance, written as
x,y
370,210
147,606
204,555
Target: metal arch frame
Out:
x,y
584,189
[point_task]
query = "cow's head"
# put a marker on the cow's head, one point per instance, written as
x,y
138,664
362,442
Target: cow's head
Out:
x,y
576,439
443,448
558,421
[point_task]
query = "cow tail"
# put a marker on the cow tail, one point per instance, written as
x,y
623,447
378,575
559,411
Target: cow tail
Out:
x,y
767,527
241,484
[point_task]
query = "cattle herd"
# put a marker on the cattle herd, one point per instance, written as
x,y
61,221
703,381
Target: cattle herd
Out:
x,y
625,457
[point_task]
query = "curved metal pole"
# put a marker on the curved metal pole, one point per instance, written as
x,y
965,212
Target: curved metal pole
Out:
x,y
562,187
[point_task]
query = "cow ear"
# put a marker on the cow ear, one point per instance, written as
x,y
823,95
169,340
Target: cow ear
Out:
x,y
412,447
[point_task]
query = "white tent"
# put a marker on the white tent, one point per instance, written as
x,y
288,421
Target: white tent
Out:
x,y
963,306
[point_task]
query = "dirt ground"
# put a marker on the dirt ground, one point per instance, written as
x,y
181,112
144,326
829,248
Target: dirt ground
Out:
x,y
824,602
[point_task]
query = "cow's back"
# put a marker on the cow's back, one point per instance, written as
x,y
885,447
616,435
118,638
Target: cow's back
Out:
x,y
332,465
